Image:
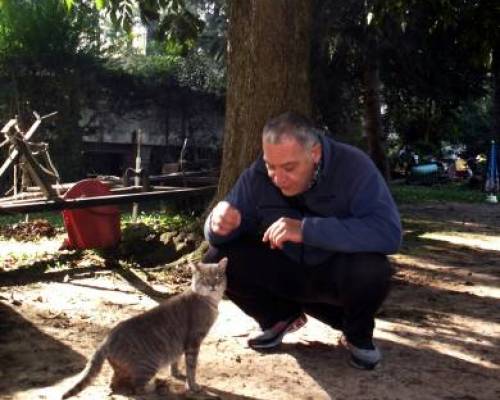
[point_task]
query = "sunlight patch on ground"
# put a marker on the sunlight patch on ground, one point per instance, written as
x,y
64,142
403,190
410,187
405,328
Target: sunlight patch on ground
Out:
x,y
450,277
420,338
9,248
485,242
455,224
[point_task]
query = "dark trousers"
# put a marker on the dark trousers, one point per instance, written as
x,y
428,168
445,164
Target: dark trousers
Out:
x,y
344,292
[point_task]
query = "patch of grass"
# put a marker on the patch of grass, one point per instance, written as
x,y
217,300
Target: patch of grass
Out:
x,y
409,194
141,243
162,222
156,220
158,238
41,262
54,218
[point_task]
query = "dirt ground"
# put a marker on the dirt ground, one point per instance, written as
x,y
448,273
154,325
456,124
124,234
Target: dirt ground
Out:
x,y
439,330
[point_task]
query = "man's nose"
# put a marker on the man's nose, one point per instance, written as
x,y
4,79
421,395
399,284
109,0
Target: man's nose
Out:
x,y
278,178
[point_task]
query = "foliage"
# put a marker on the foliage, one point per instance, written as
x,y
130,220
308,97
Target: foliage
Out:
x,y
180,21
204,66
335,74
52,59
138,241
44,51
212,39
181,49
156,238
161,222
470,124
407,194
166,20
43,33
28,230
433,57
153,239
54,219
193,71
199,72
433,68
154,70
157,221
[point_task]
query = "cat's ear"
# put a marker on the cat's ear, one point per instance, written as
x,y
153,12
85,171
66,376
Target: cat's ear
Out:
x,y
223,264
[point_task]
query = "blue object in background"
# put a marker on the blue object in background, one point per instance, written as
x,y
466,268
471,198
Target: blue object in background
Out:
x,y
492,183
425,169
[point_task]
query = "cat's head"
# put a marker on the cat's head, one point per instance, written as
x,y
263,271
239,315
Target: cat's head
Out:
x,y
209,279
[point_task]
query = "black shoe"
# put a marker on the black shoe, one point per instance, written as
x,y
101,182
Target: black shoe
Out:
x,y
273,336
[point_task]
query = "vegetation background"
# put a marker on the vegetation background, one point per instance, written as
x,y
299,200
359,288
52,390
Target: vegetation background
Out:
x,y
380,73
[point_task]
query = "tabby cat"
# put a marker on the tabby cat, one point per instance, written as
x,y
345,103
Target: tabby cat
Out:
x,y
139,346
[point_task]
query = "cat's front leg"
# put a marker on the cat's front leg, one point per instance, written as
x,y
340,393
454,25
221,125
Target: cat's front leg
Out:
x,y
174,369
191,361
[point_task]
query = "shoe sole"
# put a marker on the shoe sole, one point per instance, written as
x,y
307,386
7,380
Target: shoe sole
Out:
x,y
362,365
356,362
279,339
271,345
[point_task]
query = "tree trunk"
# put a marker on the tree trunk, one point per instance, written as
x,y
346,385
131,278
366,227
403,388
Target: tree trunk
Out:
x,y
373,118
495,125
268,73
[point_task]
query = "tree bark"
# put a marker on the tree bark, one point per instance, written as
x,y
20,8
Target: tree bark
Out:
x,y
268,73
495,125
373,118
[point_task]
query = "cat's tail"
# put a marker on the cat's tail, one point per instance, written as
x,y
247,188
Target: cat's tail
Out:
x,y
92,369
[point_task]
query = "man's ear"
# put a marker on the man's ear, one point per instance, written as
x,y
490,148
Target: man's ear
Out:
x,y
316,153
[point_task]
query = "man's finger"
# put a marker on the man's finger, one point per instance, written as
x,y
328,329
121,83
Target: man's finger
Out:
x,y
265,237
270,234
280,238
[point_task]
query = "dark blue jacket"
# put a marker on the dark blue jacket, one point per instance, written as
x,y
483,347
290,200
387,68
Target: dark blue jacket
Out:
x,y
349,209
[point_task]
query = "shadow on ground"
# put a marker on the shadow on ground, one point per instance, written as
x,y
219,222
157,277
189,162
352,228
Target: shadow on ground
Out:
x,y
405,373
18,338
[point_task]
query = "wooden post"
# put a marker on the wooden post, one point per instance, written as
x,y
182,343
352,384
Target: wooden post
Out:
x,y
34,170
12,156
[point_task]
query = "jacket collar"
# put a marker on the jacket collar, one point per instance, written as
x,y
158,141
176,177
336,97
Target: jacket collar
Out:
x,y
327,156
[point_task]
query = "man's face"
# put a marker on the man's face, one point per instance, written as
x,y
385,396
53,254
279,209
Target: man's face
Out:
x,y
290,165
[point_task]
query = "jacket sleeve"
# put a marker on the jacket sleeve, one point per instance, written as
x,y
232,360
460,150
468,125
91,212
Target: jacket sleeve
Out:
x,y
240,197
373,225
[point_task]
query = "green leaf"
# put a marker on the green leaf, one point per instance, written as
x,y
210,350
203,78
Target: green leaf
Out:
x,y
100,4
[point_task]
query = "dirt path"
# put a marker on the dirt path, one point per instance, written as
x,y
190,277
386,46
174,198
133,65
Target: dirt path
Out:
x,y
439,330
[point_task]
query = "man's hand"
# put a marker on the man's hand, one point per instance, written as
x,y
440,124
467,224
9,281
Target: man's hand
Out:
x,y
224,219
283,230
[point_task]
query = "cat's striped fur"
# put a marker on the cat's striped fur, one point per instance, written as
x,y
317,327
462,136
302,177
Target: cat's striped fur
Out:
x,y
139,346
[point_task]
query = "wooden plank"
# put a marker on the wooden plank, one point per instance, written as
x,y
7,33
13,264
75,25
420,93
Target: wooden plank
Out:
x,y
33,193
7,127
15,152
192,181
36,173
60,204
